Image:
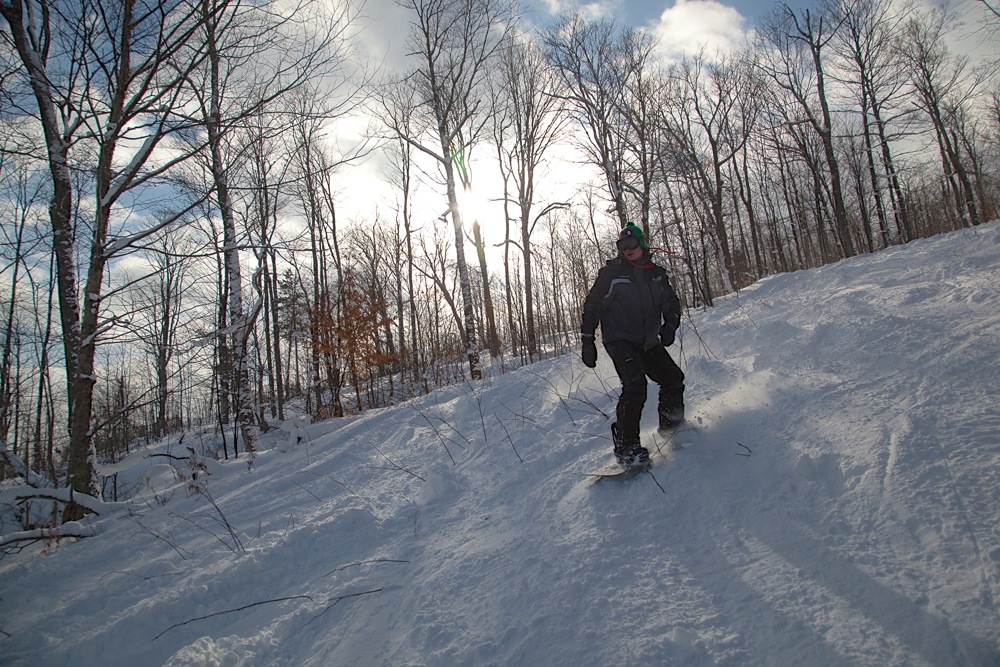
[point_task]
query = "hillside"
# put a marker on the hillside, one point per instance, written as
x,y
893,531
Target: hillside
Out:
x,y
838,506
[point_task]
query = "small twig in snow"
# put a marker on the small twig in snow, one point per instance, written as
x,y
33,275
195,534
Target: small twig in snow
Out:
x,y
332,602
650,473
232,611
482,417
510,439
438,434
396,466
365,562
150,531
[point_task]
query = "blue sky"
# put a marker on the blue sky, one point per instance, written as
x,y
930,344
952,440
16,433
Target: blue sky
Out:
x,y
682,26
649,12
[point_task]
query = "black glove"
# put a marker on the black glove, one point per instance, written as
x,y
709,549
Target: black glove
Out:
x,y
667,336
589,352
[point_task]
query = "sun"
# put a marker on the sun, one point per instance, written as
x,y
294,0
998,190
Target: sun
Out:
x,y
472,204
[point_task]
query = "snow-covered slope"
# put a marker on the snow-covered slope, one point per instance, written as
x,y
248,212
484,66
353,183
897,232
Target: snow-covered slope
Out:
x,y
838,507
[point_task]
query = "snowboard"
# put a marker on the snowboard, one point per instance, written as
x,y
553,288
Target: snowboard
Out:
x,y
682,436
619,471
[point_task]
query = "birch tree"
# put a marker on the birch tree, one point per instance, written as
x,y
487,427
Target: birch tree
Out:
x,y
106,78
454,42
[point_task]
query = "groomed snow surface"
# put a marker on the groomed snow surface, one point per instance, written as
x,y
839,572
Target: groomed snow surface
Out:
x,y
838,505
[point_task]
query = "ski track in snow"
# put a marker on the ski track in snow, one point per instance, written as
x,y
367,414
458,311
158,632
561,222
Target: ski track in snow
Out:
x,y
838,506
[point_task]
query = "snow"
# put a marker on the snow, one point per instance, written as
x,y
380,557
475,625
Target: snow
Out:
x,y
837,506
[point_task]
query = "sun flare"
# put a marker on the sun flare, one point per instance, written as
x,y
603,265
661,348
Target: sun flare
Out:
x,y
472,204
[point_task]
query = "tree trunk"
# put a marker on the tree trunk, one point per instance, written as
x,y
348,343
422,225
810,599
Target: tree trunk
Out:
x,y
465,284
492,339
239,321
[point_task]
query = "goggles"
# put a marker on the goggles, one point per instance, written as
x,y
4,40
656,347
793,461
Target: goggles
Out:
x,y
627,243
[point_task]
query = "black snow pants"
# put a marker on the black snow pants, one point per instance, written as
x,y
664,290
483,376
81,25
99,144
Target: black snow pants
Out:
x,y
633,366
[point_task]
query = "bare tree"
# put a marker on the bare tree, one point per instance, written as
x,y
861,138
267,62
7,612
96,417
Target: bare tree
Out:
x,y
17,243
455,41
158,303
944,84
106,77
705,132
435,269
301,43
583,53
267,180
398,105
798,67
313,167
869,31
528,122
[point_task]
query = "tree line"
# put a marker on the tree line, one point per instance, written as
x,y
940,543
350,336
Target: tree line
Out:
x,y
175,252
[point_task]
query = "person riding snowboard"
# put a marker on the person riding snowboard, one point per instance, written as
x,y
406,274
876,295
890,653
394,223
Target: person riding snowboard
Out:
x,y
639,313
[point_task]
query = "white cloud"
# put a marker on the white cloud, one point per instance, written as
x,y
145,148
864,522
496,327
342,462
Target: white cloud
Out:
x,y
691,25
596,10
381,33
590,10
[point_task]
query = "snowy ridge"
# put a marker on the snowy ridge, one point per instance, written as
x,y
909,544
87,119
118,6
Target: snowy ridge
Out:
x,y
839,507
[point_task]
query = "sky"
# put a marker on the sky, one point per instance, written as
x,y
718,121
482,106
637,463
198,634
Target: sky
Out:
x,y
681,26
831,501
686,23
686,26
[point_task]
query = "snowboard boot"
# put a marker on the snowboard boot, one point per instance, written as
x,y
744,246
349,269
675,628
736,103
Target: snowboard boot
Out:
x,y
628,452
670,418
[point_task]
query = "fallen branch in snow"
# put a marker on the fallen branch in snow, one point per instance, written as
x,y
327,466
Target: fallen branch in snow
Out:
x,y
396,466
232,611
332,602
509,439
650,473
70,529
365,562
22,471
170,456
66,495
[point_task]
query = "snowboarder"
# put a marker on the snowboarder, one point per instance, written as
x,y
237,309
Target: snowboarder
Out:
x,y
639,313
